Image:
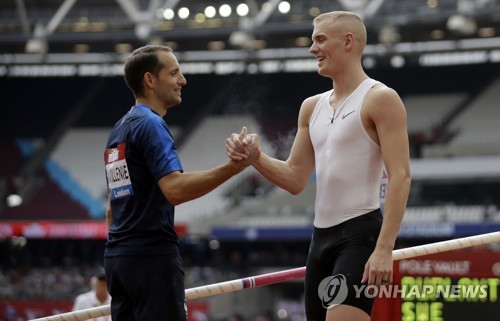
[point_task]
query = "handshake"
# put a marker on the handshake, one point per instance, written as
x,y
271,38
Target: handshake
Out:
x,y
243,147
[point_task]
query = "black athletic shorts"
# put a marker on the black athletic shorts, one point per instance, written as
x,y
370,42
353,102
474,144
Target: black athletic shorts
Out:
x,y
146,288
342,249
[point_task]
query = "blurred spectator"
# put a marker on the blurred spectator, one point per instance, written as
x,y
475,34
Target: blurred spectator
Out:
x,y
97,296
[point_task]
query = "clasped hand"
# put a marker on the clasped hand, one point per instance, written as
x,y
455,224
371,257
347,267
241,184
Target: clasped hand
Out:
x,y
243,146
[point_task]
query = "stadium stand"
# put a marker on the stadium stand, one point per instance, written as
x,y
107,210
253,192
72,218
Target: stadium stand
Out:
x,y
449,213
46,199
80,153
425,112
477,128
275,208
205,148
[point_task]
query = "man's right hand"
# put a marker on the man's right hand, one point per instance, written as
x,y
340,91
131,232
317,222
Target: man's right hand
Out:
x,y
243,146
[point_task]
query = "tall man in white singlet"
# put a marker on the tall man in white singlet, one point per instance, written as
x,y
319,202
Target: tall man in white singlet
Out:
x,y
348,135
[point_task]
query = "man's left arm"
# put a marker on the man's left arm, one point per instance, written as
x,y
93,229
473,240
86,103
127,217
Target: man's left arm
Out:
x,y
388,115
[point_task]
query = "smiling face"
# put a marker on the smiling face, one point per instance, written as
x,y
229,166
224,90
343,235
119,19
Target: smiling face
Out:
x,y
338,39
169,80
327,47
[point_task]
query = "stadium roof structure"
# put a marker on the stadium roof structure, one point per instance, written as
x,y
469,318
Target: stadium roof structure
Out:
x,y
220,29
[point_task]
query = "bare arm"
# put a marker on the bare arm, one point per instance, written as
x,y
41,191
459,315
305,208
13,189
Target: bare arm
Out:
x,y
182,187
387,114
293,174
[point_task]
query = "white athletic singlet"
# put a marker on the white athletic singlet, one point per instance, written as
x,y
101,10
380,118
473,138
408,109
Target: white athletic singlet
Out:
x,y
349,163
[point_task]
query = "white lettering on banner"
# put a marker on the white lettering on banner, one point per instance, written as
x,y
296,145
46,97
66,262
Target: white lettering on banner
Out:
x,y
72,231
453,267
6,231
439,229
429,267
34,231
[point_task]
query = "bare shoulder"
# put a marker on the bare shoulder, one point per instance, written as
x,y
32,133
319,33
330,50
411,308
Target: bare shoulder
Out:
x,y
383,111
383,98
307,107
311,101
381,92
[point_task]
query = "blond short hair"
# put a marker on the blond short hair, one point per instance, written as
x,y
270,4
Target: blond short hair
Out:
x,y
348,22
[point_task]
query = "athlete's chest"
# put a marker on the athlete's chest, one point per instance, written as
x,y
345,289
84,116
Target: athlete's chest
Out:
x,y
335,129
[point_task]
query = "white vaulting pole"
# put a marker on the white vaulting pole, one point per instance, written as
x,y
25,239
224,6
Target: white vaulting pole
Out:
x,y
286,275
444,246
